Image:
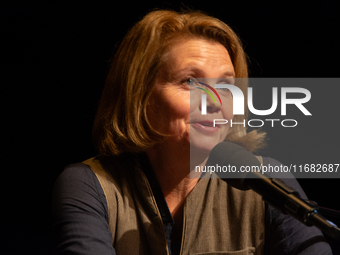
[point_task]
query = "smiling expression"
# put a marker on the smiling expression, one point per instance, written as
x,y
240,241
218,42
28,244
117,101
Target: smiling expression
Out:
x,y
175,103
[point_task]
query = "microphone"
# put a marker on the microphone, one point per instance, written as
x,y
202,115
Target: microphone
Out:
x,y
273,191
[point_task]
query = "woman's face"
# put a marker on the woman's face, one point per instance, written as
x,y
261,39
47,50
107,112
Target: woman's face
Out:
x,y
175,103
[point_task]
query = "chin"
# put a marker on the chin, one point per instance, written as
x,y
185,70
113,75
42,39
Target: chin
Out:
x,y
202,146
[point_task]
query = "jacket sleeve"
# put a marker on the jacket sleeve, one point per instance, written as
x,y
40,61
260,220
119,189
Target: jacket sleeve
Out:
x,y
80,213
286,235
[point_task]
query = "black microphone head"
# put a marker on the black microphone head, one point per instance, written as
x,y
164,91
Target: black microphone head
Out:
x,y
236,159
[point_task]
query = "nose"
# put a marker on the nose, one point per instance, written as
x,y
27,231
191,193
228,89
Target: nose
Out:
x,y
209,103
213,105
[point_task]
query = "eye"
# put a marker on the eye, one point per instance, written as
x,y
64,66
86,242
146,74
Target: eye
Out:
x,y
228,81
190,82
223,89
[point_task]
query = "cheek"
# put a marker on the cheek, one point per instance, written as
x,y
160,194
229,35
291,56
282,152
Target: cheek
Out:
x,y
195,102
176,105
227,110
169,110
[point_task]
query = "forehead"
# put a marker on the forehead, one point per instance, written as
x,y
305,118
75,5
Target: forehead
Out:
x,y
211,58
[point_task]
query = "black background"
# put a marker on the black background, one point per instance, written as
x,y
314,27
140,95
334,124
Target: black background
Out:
x,y
54,61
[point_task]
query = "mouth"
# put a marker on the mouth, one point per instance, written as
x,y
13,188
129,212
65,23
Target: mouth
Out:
x,y
207,126
206,123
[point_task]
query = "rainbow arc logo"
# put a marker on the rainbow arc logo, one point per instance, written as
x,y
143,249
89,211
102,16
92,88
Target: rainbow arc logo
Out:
x,y
208,92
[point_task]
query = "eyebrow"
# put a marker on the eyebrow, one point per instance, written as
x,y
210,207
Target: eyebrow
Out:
x,y
201,72
229,74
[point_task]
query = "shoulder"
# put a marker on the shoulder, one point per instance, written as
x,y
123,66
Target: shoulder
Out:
x,y
87,175
78,175
78,172
79,183
93,185
80,212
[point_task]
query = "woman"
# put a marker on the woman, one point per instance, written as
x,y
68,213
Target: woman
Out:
x,y
137,196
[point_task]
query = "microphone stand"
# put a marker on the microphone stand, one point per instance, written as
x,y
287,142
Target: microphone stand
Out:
x,y
288,201
333,230
335,217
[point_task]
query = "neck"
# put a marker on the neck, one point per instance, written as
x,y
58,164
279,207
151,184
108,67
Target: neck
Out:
x,y
171,165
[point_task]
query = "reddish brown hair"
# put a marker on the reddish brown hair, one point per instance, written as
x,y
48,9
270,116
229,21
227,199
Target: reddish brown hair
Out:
x,y
121,123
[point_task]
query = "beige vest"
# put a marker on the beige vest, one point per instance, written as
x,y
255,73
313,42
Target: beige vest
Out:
x,y
218,219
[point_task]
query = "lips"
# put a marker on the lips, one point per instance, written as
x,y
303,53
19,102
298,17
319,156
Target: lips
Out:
x,y
206,123
206,126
